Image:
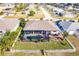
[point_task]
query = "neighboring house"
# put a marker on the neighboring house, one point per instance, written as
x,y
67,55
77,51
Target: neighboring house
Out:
x,y
70,7
65,24
69,14
77,33
70,27
73,27
58,11
8,8
8,24
39,29
7,5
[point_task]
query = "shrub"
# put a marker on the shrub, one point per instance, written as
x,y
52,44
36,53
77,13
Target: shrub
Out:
x,y
20,7
41,18
31,13
1,13
33,40
42,40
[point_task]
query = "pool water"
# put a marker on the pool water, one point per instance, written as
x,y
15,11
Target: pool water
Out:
x,y
36,38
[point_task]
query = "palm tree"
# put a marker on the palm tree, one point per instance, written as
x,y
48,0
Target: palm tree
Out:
x,y
2,48
22,22
5,42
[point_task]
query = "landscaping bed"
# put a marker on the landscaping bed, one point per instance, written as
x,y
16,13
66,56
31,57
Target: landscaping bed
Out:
x,y
51,45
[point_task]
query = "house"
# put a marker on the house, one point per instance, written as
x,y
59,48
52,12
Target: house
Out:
x,y
7,8
69,14
65,24
8,24
58,11
73,27
7,5
39,29
69,26
77,33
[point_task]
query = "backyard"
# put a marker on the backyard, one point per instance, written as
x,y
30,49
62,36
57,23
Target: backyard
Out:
x,y
42,45
20,44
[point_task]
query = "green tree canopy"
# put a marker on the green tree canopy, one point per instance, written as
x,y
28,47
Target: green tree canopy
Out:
x,y
22,22
32,13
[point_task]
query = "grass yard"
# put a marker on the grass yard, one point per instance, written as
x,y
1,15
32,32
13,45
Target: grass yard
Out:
x,y
42,45
38,15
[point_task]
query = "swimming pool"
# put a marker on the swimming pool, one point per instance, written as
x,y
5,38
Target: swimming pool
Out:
x,y
36,38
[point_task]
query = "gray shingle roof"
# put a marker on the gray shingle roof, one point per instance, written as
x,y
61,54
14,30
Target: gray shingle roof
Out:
x,y
65,24
74,26
39,25
6,24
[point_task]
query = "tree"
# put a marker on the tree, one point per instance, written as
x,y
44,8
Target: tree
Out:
x,y
7,41
2,48
22,22
32,13
20,7
4,44
1,13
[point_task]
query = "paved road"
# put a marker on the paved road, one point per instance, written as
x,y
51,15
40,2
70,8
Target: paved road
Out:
x,y
47,15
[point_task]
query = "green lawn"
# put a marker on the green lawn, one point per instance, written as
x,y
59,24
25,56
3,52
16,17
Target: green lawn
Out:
x,y
42,45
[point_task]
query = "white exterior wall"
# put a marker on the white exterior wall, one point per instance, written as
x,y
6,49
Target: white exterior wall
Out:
x,y
71,32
